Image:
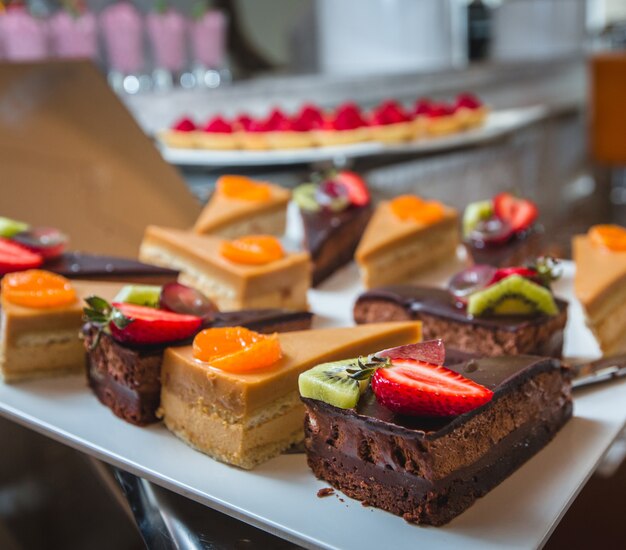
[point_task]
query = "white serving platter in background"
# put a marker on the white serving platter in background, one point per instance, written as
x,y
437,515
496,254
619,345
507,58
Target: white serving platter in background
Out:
x,y
280,495
498,124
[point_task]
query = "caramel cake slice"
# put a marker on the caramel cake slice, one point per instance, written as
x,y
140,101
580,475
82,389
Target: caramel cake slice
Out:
x,y
39,340
241,206
429,468
600,284
405,237
277,283
246,418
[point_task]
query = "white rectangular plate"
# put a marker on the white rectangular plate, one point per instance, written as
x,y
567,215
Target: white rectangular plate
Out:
x,y
280,496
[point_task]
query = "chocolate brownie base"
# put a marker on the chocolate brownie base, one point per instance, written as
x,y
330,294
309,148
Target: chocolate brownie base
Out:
x,y
127,379
332,238
507,335
431,470
516,252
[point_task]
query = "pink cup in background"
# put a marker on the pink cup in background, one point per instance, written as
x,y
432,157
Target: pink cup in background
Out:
x,y
208,37
167,33
73,36
122,29
24,37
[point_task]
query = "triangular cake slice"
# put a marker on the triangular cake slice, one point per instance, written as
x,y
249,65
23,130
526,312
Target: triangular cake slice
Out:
x,y
279,284
245,419
600,286
241,206
40,342
394,250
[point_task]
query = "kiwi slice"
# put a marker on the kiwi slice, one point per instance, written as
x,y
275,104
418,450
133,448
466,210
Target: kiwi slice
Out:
x,y
513,295
476,212
332,384
305,197
142,295
9,227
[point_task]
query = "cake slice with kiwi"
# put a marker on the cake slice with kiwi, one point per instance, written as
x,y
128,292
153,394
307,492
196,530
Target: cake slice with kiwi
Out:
x,y
485,310
126,338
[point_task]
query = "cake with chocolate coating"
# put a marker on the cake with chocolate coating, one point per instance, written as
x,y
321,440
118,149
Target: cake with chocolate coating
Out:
x,y
415,455
519,316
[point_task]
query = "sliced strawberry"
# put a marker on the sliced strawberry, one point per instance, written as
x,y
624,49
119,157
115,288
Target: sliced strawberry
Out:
x,y
421,389
218,125
348,117
389,112
147,325
47,241
243,122
503,272
277,121
439,110
309,118
520,213
431,351
423,107
355,185
184,124
15,257
467,101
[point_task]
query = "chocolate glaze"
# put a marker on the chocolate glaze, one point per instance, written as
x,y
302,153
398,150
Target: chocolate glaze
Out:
x,y
517,251
499,374
440,303
332,238
78,265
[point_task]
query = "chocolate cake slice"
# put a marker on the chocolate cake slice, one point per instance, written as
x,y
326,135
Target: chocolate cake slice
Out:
x,y
96,267
518,251
442,318
127,378
332,237
429,470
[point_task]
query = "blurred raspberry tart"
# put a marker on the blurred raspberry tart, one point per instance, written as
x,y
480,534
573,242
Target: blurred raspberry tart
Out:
x,y
182,134
285,133
471,112
347,125
217,134
390,123
442,120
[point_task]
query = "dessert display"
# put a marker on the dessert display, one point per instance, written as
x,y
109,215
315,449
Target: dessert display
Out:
x,y
400,431
40,322
600,284
502,231
124,368
485,310
241,206
25,247
335,210
234,394
389,122
251,272
404,237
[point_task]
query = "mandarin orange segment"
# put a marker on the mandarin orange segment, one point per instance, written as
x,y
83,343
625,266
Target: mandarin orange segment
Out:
x,y
236,349
410,207
609,236
37,288
253,250
243,188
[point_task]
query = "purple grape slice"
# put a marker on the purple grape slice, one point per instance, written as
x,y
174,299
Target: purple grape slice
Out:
x,y
187,301
431,351
47,241
332,196
471,280
491,232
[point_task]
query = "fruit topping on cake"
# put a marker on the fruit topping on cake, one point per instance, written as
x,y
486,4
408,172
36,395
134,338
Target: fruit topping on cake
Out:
x,y
243,122
36,288
184,124
485,290
47,241
389,112
609,236
334,192
9,227
253,250
243,188
467,101
423,107
218,125
496,222
142,325
277,121
347,117
416,209
308,118
15,257
440,110
408,380
236,349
